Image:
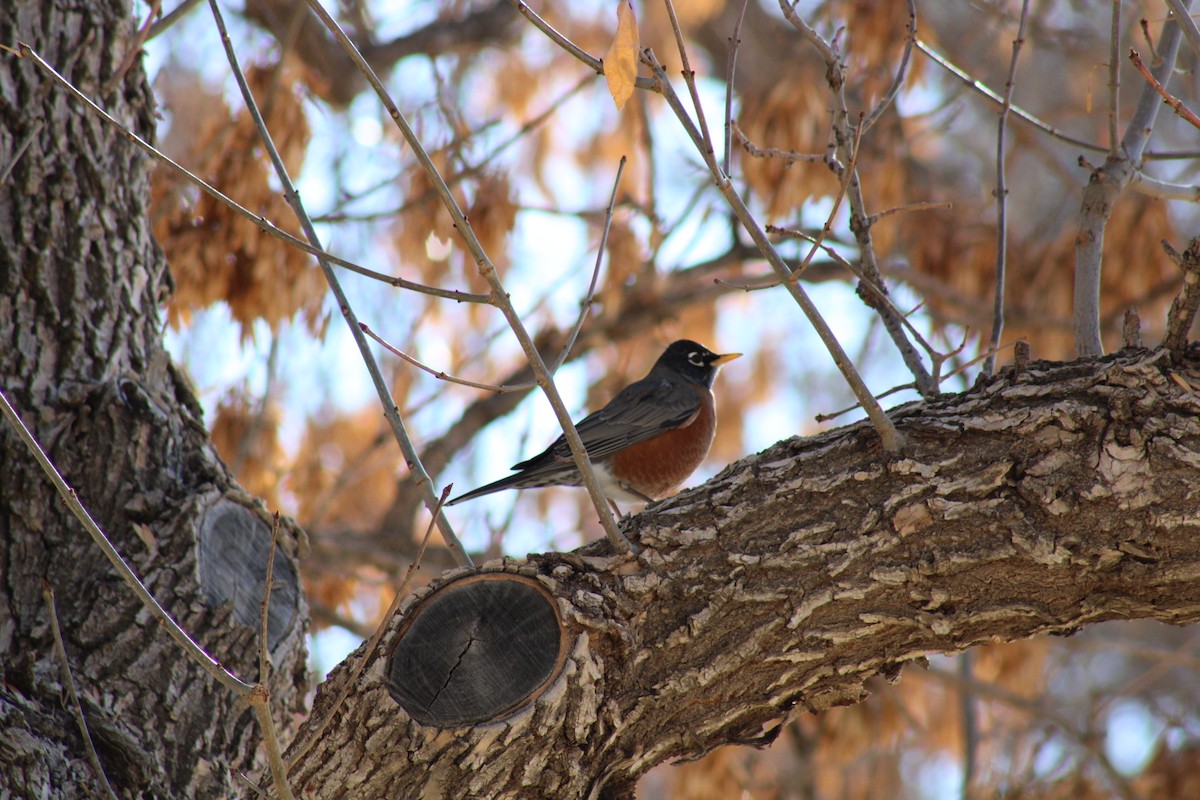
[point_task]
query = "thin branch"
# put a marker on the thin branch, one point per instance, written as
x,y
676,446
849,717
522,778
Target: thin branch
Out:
x,y
846,137
689,75
390,411
176,14
789,156
857,272
134,51
891,438
983,89
181,637
735,40
441,375
585,305
989,363
1114,77
818,241
361,663
499,295
910,207
260,698
458,177
590,61
910,40
261,222
1174,102
1163,190
72,696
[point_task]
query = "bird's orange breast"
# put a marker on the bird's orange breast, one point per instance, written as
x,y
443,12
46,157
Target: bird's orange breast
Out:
x,y
658,466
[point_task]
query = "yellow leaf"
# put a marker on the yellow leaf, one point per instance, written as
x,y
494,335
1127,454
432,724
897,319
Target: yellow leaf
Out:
x,y
621,62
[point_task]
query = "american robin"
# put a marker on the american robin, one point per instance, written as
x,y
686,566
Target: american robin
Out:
x,y
648,439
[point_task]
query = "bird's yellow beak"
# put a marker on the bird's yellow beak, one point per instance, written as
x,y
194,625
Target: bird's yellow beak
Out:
x,y
725,359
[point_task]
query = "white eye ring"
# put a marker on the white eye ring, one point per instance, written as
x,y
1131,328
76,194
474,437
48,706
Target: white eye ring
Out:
x,y
696,358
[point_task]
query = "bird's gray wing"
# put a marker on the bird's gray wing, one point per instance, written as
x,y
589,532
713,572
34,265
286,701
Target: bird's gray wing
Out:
x,y
640,411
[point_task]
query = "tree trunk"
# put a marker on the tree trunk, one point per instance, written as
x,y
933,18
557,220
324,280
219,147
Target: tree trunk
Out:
x,y
1036,503
81,358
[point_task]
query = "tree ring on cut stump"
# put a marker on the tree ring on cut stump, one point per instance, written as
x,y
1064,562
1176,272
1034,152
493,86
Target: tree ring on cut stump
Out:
x,y
476,650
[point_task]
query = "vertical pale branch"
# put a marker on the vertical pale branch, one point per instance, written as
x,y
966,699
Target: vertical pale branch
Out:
x,y
1105,185
391,412
989,363
499,295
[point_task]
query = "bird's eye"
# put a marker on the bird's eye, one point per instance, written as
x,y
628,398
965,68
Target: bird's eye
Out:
x,y
696,358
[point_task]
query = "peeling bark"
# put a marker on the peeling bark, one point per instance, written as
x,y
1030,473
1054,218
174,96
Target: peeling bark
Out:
x,y
1036,503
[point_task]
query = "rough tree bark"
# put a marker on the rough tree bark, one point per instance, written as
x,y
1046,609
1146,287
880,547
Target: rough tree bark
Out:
x,y
1036,503
81,357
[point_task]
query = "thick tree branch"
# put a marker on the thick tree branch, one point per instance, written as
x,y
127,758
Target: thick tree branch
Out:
x,y
1036,503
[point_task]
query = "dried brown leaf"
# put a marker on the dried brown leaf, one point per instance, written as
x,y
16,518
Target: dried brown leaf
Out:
x,y
621,61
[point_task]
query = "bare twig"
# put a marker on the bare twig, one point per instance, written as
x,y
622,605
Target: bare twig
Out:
x,y
361,663
989,363
390,411
439,374
789,156
735,39
585,305
891,438
134,50
910,40
846,136
197,653
264,658
1101,192
593,63
261,222
857,272
260,697
499,295
176,14
72,696
984,90
1114,77
689,75
1131,328
1174,102
908,207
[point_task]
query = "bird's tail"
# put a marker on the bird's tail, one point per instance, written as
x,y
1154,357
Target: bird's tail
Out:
x,y
511,482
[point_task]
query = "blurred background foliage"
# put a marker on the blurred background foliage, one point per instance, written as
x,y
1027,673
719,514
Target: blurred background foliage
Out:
x,y
529,142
